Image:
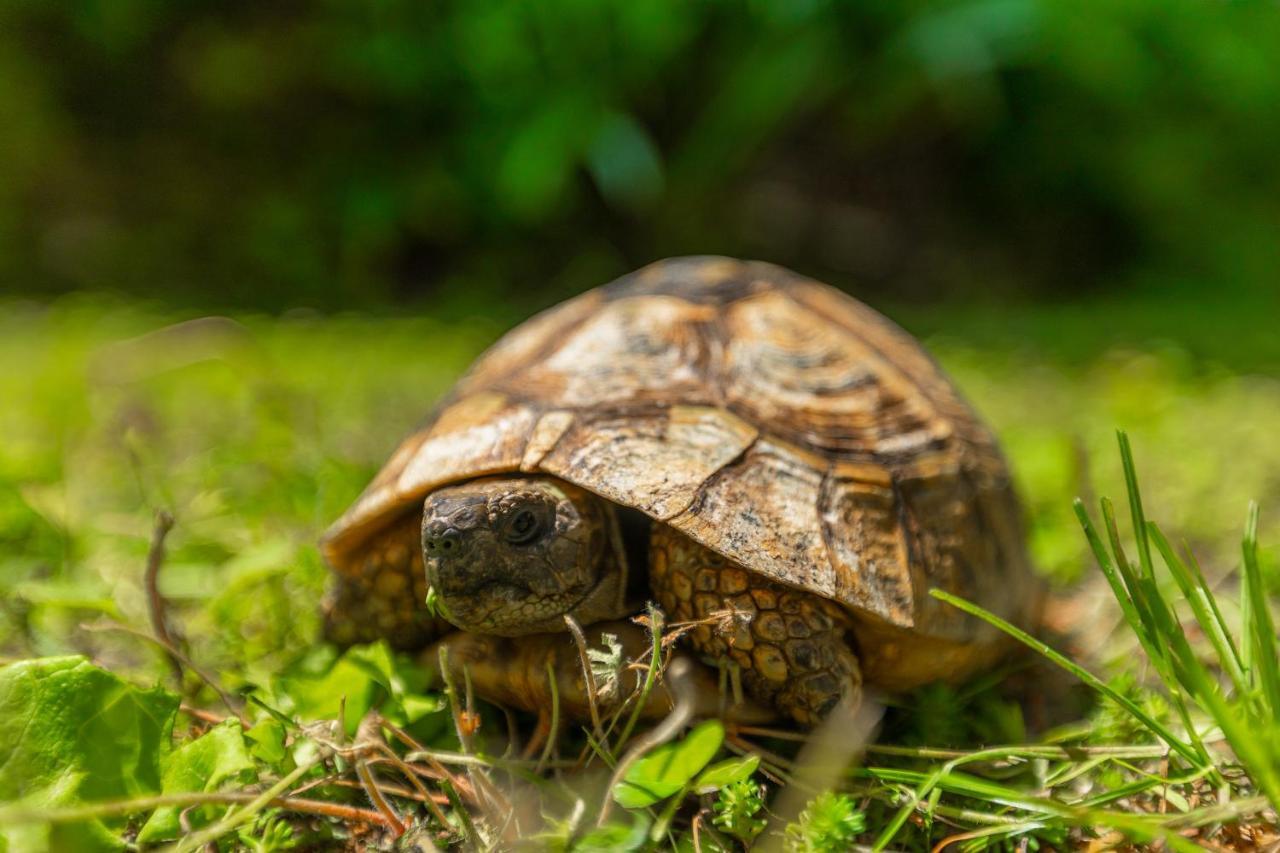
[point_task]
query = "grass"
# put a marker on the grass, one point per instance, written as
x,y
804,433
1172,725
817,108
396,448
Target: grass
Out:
x,y
255,433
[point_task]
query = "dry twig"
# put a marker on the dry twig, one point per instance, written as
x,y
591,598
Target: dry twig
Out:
x,y
155,601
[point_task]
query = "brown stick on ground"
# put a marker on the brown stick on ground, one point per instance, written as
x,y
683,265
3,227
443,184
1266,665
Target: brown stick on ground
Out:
x,y
155,601
369,733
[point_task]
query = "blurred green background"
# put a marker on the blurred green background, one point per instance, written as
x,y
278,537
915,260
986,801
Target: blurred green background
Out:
x,y
1075,203
339,155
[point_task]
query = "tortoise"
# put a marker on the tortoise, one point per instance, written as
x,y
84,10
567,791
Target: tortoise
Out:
x,y
721,436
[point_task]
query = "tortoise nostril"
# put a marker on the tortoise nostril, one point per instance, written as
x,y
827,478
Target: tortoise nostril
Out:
x,y
442,541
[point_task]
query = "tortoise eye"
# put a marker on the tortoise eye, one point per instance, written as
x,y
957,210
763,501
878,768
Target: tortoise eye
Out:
x,y
524,528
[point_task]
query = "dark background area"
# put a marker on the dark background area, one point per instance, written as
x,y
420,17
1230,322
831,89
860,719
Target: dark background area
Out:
x,y
499,156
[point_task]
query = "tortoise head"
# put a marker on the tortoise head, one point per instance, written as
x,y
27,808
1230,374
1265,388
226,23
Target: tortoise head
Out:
x,y
514,555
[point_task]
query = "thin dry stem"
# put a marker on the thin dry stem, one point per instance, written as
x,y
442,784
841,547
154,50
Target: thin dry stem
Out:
x,y
196,798
369,733
553,731
228,701
155,601
588,675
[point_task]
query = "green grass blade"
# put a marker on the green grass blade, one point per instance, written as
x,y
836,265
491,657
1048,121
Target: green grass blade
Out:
x,y
1139,827
1157,620
1257,748
1149,627
1159,729
1262,630
1130,579
1212,601
1198,597
1135,506
1248,628
904,812
1163,638
1138,786
1118,586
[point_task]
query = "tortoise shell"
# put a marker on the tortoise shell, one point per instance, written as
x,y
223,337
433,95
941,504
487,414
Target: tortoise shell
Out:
x,y
767,416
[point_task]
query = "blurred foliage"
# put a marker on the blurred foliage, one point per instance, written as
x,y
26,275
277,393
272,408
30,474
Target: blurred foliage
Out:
x,y
351,154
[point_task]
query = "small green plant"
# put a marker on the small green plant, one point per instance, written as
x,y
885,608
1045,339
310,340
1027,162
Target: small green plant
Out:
x,y
737,810
606,665
1110,722
267,834
830,822
435,604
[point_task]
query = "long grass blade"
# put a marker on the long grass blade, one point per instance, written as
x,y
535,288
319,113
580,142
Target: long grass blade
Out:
x,y
1257,749
1135,506
1139,827
1212,601
1167,647
1199,596
1114,577
1132,582
1133,593
1262,630
1159,729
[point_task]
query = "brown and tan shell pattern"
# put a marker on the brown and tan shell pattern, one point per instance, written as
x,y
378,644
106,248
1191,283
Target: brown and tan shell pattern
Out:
x,y
767,416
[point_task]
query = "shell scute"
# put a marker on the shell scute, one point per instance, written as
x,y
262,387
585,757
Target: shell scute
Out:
x,y
814,383
870,555
762,511
481,434
631,351
654,461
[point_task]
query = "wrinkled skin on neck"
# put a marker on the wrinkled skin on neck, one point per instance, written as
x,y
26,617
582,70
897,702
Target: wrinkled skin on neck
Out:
x,y
514,555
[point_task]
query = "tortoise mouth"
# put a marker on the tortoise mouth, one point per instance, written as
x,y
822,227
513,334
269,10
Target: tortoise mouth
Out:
x,y
491,586
506,610
499,606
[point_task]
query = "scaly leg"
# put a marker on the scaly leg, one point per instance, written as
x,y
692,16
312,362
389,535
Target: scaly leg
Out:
x,y
513,671
793,647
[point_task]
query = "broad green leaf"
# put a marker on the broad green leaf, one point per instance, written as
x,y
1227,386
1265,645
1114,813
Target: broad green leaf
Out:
x,y
417,706
70,733
321,697
402,679
614,838
726,772
268,740
361,676
624,162
208,763
366,676
670,767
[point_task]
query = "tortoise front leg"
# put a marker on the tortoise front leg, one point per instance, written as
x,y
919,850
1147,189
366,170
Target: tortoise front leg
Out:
x,y
517,672
793,647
